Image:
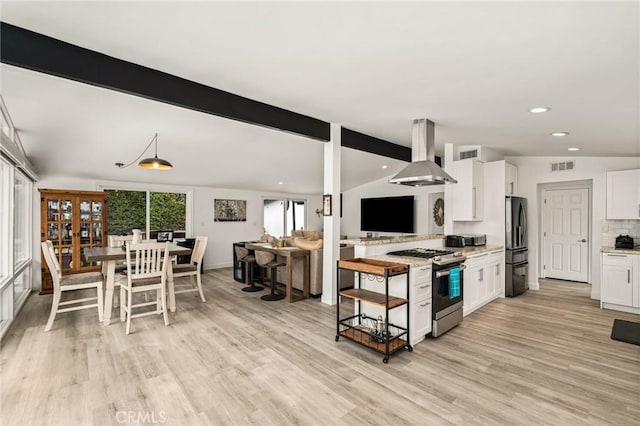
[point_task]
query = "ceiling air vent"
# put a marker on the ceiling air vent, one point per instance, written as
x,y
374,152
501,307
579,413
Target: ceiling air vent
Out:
x,y
469,154
562,166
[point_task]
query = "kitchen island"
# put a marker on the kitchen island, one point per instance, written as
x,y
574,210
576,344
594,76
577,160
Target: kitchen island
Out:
x,y
483,278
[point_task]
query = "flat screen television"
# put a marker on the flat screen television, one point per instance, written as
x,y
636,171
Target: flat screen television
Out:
x,y
387,214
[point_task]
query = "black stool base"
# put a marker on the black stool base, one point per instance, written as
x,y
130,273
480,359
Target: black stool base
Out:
x,y
252,288
272,297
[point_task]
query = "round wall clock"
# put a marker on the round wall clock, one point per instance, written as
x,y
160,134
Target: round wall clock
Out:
x,y
438,211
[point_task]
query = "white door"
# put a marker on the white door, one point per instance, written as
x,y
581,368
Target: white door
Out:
x,y
566,234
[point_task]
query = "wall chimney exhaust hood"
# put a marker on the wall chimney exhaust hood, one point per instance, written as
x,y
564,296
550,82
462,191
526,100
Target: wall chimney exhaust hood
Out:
x,y
423,170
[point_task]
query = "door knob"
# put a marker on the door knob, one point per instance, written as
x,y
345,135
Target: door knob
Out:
x,y
582,241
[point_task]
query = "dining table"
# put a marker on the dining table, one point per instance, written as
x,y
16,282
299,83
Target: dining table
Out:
x,y
290,254
109,257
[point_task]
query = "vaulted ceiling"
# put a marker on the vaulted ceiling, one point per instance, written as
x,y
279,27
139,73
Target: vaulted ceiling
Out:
x,y
473,68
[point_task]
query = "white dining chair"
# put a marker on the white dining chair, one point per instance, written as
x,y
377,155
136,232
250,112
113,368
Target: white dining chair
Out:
x,y
193,269
69,283
119,241
146,271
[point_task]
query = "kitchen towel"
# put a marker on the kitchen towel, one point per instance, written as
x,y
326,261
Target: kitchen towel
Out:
x,y
454,283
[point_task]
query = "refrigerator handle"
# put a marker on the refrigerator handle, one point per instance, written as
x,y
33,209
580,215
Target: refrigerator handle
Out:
x,y
523,224
508,224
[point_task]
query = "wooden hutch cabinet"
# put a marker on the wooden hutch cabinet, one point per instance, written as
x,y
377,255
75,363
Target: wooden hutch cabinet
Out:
x,y
73,221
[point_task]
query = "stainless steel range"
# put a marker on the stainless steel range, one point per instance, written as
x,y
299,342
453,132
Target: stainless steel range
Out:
x,y
447,280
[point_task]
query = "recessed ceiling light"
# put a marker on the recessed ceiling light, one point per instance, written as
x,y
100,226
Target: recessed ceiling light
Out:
x,y
280,183
573,149
538,110
560,134
384,166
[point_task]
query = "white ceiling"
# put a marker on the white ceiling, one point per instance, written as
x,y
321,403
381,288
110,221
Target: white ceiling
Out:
x,y
473,68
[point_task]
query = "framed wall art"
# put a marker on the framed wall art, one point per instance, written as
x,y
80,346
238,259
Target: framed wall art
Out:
x,y
326,205
229,210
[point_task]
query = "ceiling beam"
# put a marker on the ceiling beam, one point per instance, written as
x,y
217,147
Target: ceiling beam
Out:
x,y
373,145
37,52
27,49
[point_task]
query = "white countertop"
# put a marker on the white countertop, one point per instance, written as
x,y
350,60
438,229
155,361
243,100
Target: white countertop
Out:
x,y
474,251
620,251
417,262
390,240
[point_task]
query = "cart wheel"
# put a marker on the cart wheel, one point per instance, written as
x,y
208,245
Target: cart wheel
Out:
x,y
410,348
385,359
337,337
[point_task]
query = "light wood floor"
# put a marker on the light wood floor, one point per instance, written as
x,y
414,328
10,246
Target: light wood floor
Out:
x,y
544,357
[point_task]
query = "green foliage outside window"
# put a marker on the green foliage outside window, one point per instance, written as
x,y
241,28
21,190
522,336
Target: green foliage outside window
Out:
x,y
168,211
127,211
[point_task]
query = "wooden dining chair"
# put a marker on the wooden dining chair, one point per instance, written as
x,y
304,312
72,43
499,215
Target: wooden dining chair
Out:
x,y
147,265
193,268
69,283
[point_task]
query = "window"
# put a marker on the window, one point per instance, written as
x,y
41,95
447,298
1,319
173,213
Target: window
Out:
x,y
22,219
280,215
16,222
15,238
148,211
22,285
126,210
6,202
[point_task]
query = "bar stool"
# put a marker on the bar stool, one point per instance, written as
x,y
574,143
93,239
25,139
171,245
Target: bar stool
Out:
x,y
268,260
248,259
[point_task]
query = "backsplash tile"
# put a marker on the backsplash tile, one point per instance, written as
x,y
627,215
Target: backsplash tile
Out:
x,y
612,228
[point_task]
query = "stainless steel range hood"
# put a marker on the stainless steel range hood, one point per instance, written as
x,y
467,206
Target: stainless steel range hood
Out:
x,y
423,170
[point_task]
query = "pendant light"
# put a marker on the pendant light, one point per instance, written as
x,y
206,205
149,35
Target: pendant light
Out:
x,y
151,162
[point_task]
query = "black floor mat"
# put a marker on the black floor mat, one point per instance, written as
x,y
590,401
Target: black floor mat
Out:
x,y
626,331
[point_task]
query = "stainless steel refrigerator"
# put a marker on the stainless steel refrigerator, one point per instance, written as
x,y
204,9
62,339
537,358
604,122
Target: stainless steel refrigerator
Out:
x,y
516,252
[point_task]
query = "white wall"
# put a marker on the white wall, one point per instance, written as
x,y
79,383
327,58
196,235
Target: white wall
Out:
x,y
533,171
350,225
221,235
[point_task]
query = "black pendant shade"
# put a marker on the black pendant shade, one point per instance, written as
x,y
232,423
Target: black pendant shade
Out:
x,y
151,162
155,163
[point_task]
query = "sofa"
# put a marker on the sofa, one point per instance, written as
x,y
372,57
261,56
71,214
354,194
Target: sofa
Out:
x,y
315,263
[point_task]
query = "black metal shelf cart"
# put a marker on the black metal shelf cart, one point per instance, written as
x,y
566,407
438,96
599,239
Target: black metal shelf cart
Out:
x,y
384,337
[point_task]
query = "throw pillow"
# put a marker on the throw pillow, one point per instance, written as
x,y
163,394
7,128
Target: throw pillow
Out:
x,y
313,235
305,244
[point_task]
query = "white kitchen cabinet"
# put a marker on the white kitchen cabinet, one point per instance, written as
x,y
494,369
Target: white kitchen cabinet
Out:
x,y
420,299
468,193
472,288
623,194
620,282
483,280
510,179
496,275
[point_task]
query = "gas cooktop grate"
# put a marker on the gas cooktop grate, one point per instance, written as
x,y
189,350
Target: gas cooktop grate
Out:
x,y
420,252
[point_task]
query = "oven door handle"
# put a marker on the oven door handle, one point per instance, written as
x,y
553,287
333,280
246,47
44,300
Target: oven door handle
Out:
x,y
445,273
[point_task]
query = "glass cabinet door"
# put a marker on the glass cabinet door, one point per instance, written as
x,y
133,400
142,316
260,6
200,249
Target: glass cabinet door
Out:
x,y
91,230
59,227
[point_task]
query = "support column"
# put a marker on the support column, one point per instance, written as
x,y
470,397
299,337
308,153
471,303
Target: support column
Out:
x,y
331,223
